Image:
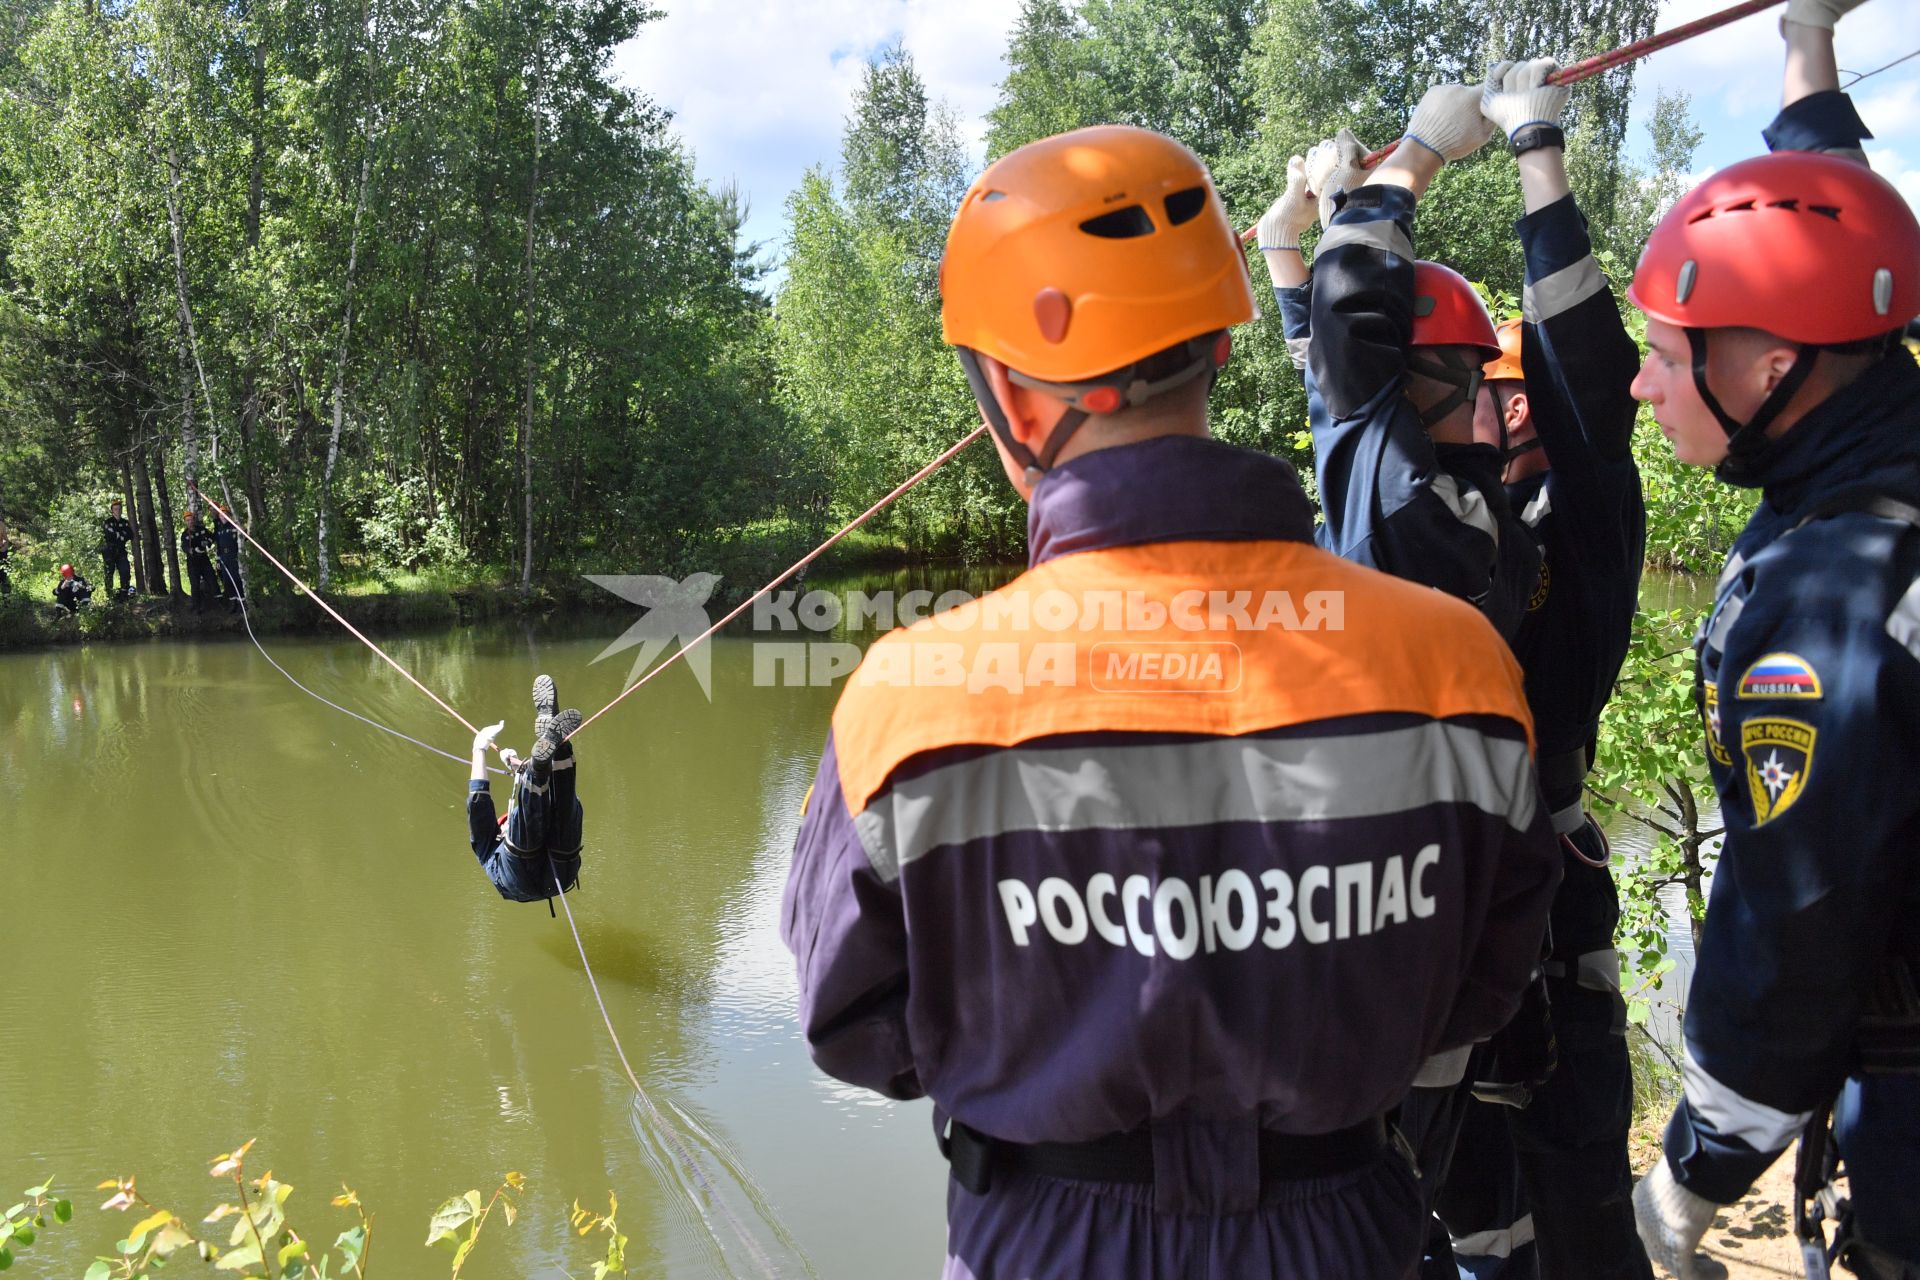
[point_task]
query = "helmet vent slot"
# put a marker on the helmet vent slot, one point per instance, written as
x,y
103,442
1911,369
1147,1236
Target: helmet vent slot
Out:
x,y
988,197
1742,206
1185,206
1825,210
1121,224
1790,204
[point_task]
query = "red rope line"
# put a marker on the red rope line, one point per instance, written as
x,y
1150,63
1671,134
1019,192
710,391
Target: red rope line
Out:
x,y
1606,62
335,613
790,570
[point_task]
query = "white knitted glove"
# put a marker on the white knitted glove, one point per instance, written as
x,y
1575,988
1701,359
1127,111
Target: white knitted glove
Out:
x,y
1672,1221
1448,121
1819,13
1517,95
483,740
1291,214
1333,166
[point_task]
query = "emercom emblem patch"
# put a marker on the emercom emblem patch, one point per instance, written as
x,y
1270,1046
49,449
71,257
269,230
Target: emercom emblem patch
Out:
x,y
1780,675
1715,748
1779,756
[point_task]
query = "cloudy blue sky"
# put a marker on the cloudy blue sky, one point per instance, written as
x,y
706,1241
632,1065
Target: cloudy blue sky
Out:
x,y
759,90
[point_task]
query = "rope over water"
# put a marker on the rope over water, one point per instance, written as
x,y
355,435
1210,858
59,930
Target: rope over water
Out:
x,y
692,1165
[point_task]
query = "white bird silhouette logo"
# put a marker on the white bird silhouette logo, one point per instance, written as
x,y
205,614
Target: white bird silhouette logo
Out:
x,y
675,611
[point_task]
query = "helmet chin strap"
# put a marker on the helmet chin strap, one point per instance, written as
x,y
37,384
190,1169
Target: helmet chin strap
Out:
x,y
1745,440
1464,378
1102,395
1518,451
1034,466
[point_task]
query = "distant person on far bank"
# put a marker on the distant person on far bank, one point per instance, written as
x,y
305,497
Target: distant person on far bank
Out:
x,y
116,535
6,554
72,590
197,545
226,541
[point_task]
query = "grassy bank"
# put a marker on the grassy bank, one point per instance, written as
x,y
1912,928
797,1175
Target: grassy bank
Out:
x,y
743,559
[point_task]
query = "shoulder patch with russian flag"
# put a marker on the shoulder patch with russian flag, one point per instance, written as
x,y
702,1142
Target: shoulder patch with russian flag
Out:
x,y
1780,675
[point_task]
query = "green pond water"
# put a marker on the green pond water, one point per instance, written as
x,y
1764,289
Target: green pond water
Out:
x,y
230,912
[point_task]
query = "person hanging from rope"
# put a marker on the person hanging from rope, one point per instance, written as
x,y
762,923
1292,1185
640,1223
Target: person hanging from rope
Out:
x,y
1391,348
226,542
72,590
197,546
1539,1182
1775,294
116,535
1163,942
536,844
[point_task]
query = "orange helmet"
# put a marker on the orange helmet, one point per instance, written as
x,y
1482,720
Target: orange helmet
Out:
x,y
1082,253
1507,364
1075,258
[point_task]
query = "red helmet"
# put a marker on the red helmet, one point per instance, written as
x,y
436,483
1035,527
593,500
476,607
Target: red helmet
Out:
x,y
66,571
1447,312
1810,247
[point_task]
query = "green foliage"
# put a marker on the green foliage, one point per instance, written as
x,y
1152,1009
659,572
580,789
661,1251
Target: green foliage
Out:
x,y
441,220
21,1224
264,1244
1651,767
585,1222
859,363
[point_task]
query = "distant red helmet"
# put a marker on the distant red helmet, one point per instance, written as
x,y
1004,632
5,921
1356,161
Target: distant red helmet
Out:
x,y
1810,247
1447,312
66,571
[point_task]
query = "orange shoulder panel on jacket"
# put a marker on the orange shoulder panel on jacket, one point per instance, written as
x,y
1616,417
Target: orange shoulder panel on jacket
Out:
x,y
1224,638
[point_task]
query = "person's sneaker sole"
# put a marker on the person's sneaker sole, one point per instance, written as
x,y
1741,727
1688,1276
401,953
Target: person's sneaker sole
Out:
x,y
546,699
543,748
564,725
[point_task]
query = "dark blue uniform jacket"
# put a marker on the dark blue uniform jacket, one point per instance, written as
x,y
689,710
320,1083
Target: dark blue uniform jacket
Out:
x,y
518,877
1587,514
1809,685
1391,498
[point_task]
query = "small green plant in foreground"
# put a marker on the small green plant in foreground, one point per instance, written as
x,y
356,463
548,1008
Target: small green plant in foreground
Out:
x,y
24,1221
263,1243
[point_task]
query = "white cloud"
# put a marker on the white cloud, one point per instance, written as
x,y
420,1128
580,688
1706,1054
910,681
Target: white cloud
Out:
x,y
1737,68
760,90
1892,166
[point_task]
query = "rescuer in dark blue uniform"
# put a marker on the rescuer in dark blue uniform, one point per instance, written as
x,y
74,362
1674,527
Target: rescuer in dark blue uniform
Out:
x,y
1791,380
6,555
72,590
197,546
1392,350
1541,1185
116,534
538,841
226,544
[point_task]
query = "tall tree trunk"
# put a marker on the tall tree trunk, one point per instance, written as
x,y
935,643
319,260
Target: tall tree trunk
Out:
x,y
170,541
189,341
340,357
127,505
250,375
143,495
526,400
